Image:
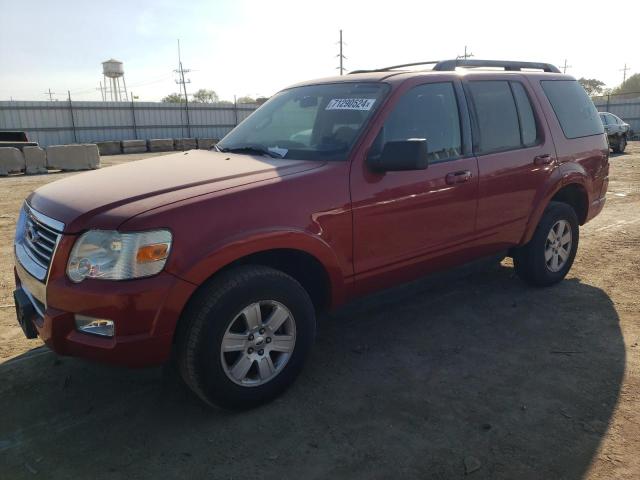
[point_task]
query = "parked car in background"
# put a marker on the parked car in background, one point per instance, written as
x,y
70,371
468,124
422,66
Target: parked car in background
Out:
x,y
617,131
333,189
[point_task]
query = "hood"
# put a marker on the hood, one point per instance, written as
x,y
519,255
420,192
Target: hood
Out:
x,y
117,193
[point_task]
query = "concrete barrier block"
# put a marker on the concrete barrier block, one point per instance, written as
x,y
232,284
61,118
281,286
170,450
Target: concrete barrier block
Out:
x,y
134,146
206,143
73,157
186,144
109,148
35,160
160,144
11,161
93,155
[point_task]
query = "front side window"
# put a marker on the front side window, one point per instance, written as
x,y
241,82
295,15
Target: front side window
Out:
x,y
603,117
574,109
430,112
316,122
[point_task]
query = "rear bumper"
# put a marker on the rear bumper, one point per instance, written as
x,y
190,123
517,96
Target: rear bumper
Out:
x,y
145,313
596,207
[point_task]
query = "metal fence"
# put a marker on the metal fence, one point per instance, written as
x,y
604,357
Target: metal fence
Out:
x,y
65,122
626,106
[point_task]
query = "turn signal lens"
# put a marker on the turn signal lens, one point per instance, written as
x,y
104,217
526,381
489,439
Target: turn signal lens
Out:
x,y
152,253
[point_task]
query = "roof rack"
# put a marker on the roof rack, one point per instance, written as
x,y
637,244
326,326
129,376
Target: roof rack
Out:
x,y
450,65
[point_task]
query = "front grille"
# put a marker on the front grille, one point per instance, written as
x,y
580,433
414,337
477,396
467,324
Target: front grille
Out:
x,y
36,239
39,241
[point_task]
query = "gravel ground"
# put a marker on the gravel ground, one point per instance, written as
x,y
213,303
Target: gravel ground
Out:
x,y
473,374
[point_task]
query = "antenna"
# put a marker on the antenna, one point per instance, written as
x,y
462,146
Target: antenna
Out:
x,y
183,83
565,66
624,74
340,55
466,55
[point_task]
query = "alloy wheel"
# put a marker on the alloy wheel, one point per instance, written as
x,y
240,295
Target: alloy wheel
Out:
x,y
258,343
558,246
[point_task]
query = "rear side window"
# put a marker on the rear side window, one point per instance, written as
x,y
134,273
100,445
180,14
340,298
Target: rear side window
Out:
x,y
525,113
497,116
574,109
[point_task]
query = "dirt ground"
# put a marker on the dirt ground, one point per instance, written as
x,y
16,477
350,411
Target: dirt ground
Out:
x,y
473,374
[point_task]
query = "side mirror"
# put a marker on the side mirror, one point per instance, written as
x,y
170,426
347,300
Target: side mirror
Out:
x,y
400,155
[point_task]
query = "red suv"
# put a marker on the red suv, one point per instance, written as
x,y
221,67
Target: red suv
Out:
x,y
332,189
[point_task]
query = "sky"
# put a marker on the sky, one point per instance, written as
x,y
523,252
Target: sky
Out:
x,y
255,48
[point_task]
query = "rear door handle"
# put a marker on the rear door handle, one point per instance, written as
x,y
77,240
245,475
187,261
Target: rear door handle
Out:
x,y
458,177
545,159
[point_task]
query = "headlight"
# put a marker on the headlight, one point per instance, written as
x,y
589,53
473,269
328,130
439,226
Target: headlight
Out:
x,y
111,255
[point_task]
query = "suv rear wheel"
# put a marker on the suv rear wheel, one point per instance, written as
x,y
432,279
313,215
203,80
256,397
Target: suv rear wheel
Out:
x,y
246,336
548,256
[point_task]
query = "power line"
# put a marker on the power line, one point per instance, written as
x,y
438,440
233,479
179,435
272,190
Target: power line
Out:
x,y
341,56
624,74
466,55
181,81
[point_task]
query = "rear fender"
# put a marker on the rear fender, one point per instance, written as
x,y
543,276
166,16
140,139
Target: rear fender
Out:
x,y
574,174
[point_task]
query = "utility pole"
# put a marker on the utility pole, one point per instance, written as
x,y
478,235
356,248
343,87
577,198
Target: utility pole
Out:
x,y
565,66
183,83
466,54
624,74
341,56
50,93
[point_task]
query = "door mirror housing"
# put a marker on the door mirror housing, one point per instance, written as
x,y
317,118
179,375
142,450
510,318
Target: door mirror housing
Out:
x,y
400,155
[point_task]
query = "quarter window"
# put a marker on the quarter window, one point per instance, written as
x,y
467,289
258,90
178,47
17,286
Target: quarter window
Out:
x,y
427,111
574,109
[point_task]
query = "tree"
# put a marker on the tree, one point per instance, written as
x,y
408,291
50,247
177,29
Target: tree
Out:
x,y
173,98
205,96
631,85
246,99
592,86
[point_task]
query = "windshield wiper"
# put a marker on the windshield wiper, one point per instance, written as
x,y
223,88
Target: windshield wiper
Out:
x,y
250,150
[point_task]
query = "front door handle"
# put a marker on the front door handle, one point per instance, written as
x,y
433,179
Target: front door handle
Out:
x,y
458,177
545,159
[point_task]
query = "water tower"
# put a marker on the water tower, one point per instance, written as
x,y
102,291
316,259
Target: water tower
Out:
x,y
113,70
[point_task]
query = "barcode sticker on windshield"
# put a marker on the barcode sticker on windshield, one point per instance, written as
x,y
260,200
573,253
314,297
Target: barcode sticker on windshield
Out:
x,y
350,104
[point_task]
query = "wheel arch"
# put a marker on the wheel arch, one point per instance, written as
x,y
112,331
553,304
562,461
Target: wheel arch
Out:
x,y
573,194
305,257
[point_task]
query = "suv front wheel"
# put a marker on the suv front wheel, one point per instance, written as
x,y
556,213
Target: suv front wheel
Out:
x,y
245,337
548,256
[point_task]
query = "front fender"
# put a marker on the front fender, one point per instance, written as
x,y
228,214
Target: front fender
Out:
x,y
232,249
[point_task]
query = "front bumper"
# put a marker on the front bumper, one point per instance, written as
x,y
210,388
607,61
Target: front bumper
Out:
x,y
145,313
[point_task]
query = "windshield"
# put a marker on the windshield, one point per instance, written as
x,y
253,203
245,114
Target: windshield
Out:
x,y
317,122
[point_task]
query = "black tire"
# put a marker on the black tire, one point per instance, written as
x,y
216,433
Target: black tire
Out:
x,y
529,260
620,145
213,309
